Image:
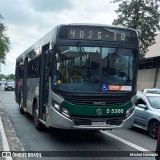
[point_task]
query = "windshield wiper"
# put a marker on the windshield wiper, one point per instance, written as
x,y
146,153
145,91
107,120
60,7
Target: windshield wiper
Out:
x,y
113,57
118,49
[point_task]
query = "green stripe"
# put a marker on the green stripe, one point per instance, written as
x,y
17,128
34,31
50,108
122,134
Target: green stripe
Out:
x,y
84,110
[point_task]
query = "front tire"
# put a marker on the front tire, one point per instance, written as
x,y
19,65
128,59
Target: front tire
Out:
x,y
39,126
153,129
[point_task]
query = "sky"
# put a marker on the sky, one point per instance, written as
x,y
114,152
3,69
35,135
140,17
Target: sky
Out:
x,y
28,20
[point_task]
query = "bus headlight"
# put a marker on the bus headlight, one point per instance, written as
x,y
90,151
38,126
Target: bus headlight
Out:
x,y
57,106
60,109
130,111
65,112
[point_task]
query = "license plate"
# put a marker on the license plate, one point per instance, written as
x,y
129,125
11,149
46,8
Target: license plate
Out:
x,y
98,123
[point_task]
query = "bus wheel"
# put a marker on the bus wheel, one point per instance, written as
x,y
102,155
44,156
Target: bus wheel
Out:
x,y
39,126
153,129
21,106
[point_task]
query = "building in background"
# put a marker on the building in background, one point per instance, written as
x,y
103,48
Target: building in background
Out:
x,y
149,68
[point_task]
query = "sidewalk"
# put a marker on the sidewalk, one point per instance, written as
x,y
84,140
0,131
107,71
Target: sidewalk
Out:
x,y
4,146
9,140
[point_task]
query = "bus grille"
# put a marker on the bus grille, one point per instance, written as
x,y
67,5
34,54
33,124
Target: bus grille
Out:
x,y
98,101
88,121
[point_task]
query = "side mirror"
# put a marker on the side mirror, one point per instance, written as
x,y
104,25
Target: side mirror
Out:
x,y
142,106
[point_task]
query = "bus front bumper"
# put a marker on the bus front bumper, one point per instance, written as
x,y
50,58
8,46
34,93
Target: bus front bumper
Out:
x,y
57,120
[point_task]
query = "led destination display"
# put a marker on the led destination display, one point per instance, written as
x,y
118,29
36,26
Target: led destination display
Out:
x,y
95,33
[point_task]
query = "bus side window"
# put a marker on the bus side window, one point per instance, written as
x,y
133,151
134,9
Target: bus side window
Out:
x,y
37,67
30,69
20,71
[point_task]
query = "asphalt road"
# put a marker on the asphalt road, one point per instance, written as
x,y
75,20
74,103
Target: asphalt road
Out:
x,y
123,141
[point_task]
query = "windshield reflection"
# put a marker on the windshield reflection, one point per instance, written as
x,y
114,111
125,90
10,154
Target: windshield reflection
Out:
x,y
80,68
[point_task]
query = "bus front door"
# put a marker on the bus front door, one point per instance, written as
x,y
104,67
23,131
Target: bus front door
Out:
x,y
44,87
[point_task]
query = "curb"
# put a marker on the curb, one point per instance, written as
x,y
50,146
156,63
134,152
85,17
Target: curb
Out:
x,y
4,145
10,140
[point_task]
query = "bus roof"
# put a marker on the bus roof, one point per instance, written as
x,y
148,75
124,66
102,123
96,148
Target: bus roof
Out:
x,y
51,36
96,25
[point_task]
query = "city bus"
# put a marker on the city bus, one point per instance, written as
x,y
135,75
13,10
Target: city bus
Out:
x,y
79,76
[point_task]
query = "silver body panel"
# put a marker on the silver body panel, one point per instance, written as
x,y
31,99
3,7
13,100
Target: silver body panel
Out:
x,y
58,120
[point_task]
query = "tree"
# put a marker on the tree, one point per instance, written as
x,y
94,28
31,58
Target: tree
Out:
x,y
4,42
9,76
141,15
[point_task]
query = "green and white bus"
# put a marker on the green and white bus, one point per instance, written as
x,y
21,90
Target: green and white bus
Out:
x,y
79,76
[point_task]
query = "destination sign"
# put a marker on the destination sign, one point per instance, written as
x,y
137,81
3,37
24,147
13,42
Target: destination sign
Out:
x,y
95,33
86,49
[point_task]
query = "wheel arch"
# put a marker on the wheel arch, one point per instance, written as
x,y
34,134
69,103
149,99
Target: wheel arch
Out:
x,y
151,120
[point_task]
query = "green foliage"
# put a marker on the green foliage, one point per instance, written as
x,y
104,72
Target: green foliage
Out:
x,y
4,42
10,76
141,15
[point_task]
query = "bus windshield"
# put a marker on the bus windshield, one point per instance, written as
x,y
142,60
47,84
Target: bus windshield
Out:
x,y
93,69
